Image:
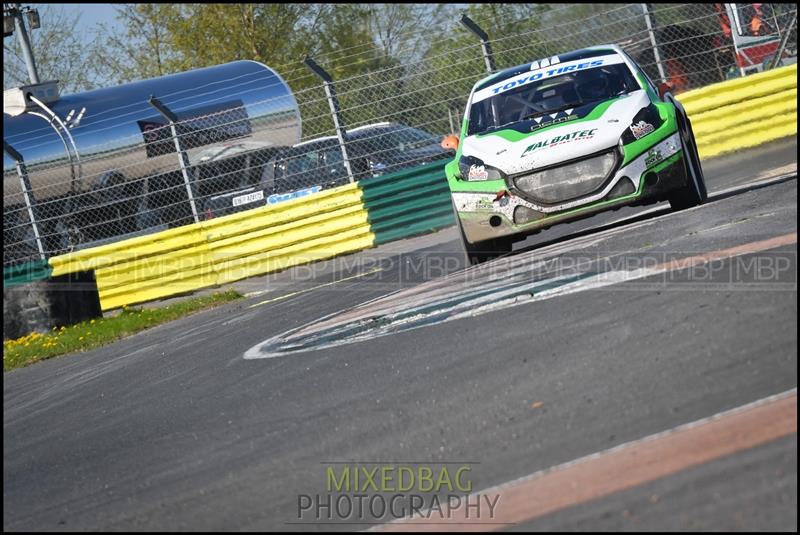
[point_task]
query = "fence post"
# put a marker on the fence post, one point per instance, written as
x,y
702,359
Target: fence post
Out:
x,y
30,200
182,157
24,40
656,52
333,102
785,39
488,56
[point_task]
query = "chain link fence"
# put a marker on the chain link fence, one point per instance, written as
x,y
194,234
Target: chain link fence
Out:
x,y
394,115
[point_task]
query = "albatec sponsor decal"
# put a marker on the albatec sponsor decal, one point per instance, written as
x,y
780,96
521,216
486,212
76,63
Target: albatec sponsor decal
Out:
x,y
560,140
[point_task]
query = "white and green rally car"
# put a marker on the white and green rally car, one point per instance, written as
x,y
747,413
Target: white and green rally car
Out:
x,y
566,137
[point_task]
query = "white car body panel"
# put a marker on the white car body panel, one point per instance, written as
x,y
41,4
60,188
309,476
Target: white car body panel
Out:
x,y
470,202
511,158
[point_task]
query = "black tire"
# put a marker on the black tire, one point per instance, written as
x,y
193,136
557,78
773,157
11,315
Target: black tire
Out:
x,y
480,252
695,155
694,193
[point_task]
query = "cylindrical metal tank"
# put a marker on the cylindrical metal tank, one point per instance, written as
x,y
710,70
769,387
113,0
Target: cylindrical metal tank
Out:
x,y
122,138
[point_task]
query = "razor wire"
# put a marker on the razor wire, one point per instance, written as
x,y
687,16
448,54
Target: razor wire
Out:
x,y
395,113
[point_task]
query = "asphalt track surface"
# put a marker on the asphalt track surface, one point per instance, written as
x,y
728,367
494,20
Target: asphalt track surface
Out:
x,y
173,428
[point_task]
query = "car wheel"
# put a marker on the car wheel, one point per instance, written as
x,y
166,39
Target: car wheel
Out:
x,y
695,156
694,192
480,252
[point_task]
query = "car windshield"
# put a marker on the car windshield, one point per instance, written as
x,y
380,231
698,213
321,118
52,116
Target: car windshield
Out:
x,y
569,90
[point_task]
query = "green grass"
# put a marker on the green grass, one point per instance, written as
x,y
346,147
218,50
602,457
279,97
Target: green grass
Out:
x,y
102,331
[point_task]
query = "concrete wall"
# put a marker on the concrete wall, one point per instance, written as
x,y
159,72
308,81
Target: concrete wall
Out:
x,y
41,305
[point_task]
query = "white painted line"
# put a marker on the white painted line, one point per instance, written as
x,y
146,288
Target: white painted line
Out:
x,y
760,181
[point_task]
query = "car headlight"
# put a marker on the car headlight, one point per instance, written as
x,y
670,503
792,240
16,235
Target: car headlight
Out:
x,y
646,121
558,184
473,169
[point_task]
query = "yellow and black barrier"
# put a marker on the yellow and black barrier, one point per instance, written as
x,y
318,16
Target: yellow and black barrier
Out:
x,y
743,112
225,249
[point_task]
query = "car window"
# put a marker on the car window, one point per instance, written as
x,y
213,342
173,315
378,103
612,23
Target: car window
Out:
x,y
297,164
398,139
386,142
333,162
550,95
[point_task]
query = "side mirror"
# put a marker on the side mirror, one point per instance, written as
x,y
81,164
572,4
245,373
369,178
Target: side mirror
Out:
x,y
450,142
664,88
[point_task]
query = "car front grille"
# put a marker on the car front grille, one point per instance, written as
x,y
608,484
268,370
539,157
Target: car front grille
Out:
x,y
566,182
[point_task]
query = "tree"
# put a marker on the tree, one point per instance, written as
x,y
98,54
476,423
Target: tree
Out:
x,y
61,52
145,49
162,39
406,30
440,84
262,32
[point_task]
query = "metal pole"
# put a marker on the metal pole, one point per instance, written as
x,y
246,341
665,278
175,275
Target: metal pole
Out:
x,y
733,14
488,56
25,43
30,200
450,118
333,102
57,119
785,39
646,11
183,159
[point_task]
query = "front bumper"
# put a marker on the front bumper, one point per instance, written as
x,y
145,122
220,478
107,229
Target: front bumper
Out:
x,y
649,177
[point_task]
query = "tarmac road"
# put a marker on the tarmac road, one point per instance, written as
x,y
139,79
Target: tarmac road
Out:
x,y
173,428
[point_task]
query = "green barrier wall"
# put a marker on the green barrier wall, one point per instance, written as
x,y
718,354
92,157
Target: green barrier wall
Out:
x,y
225,249
25,273
409,202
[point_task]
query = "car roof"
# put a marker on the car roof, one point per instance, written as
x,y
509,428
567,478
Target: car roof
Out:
x,y
359,131
583,53
375,125
328,139
357,135
320,140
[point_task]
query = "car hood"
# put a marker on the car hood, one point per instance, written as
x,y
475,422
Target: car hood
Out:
x,y
580,132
